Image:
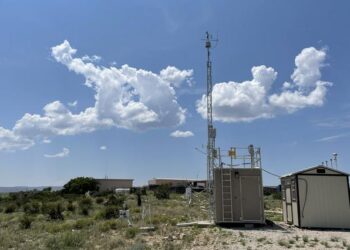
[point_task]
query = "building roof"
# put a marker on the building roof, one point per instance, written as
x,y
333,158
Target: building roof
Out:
x,y
176,179
312,168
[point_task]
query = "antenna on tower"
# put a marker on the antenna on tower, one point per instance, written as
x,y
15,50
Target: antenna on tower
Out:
x,y
335,160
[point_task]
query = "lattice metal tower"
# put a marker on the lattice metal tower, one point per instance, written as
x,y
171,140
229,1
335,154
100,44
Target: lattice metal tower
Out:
x,y
211,152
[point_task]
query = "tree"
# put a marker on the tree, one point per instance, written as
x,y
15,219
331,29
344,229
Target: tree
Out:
x,y
80,185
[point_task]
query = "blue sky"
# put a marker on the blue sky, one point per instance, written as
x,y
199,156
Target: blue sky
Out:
x,y
297,126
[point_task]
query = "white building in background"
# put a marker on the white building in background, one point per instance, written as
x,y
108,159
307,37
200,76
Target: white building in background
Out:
x,y
113,184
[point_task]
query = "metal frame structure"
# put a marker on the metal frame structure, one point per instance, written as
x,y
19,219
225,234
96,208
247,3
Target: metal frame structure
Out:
x,y
211,152
214,157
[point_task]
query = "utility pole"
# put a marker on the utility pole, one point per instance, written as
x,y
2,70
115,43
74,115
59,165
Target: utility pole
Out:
x,y
211,152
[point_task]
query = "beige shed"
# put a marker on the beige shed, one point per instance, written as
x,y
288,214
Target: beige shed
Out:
x,y
317,197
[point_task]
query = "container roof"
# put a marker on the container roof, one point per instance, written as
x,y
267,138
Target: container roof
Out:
x,y
312,168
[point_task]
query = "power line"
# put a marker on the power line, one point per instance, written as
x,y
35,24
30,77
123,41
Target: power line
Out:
x,y
276,175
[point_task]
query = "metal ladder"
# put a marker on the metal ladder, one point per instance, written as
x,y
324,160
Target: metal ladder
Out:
x,y
226,181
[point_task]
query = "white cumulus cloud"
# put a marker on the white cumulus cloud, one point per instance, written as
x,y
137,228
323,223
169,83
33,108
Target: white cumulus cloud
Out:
x,y
103,147
176,77
9,141
125,97
181,134
63,153
252,99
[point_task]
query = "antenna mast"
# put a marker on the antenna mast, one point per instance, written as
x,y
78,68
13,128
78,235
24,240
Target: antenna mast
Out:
x,y
211,152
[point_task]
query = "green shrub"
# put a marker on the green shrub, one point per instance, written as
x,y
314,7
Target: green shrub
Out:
x,y
67,240
305,238
267,192
53,210
10,208
70,206
99,200
32,208
277,196
25,222
143,191
131,232
86,202
85,205
73,239
116,200
112,224
80,185
162,192
82,223
110,212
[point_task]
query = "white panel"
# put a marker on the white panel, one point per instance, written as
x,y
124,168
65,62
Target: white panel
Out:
x,y
288,195
289,213
284,207
324,201
295,213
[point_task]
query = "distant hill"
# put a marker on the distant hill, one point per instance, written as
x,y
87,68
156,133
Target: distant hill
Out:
x,y
24,188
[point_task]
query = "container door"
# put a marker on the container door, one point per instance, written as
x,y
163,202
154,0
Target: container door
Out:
x,y
251,198
289,205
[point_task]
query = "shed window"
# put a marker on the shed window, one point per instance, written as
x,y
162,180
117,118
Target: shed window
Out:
x,y
321,171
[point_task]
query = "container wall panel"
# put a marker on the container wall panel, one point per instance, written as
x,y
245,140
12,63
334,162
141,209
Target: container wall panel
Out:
x,y
246,195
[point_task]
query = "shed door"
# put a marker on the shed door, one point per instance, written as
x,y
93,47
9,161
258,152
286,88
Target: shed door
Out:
x,y
289,205
251,198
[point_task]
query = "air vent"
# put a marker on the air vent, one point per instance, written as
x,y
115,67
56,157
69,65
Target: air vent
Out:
x,y
321,171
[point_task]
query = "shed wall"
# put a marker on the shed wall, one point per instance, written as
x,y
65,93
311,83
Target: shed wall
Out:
x,y
324,201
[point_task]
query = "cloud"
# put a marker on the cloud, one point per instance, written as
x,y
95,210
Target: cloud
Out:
x,y
58,120
181,134
129,98
73,104
252,99
103,148
9,141
332,138
125,97
342,121
93,58
64,153
308,64
46,141
176,76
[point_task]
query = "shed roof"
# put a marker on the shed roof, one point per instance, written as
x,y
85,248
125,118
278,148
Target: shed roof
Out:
x,y
312,168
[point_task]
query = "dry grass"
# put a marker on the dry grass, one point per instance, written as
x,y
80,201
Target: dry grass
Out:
x,y
92,231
